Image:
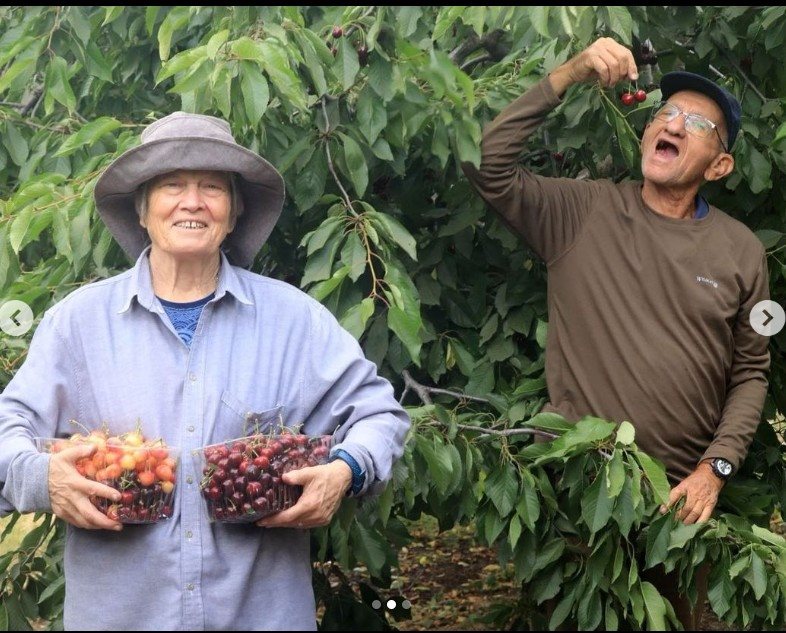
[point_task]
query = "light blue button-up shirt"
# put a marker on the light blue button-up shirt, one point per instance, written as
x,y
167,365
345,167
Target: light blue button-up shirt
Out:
x,y
108,354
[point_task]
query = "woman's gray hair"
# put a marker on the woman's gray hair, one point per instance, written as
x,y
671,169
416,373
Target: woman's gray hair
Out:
x,y
235,199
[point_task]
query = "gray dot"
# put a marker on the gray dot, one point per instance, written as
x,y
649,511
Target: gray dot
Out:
x,y
406,604
391,604
376,604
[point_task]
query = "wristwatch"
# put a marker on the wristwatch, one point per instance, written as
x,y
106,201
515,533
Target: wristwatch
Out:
x,y
722,468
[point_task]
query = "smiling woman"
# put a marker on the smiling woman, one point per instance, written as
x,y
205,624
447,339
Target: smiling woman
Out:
x,y
191,344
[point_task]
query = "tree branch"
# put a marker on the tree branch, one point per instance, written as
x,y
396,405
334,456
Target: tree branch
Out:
x,y
424,392
508,432
347,200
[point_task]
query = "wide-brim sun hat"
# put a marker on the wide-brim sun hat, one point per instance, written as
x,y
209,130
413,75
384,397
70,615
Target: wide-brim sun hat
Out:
x,y
193,142
682,80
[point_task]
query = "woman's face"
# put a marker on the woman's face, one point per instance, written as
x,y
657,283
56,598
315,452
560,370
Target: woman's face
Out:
x,y
188,212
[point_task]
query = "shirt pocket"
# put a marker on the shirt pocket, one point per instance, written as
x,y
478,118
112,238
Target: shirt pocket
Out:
x,y
238,418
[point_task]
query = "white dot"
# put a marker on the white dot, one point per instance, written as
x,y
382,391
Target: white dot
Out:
x,y
406,604
376,604
391,604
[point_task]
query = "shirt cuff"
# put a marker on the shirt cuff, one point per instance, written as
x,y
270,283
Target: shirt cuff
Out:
x,y
358,476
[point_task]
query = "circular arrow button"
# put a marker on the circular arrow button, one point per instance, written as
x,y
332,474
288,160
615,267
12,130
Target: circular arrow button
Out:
x,y
16,318
767,318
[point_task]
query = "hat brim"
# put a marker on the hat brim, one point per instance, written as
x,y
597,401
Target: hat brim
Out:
x,y
682,80
260,185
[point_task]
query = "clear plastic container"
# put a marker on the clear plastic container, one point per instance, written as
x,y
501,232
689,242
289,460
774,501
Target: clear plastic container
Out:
x,y
241,478
146,476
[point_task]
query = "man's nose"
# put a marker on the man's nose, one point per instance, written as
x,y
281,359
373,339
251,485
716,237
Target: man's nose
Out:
x,y
677,125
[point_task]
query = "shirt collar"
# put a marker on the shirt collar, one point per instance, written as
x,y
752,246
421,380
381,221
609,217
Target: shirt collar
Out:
x,y
141,285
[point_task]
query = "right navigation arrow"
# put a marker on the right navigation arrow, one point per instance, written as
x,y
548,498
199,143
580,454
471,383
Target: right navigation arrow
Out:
x,y
769,318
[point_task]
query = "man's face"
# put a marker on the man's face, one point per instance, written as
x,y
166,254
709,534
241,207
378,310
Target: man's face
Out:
x,y
673,157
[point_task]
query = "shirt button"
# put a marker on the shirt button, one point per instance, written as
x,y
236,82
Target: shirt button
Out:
x,y
189,480
192,377
189,534
190,586
191,429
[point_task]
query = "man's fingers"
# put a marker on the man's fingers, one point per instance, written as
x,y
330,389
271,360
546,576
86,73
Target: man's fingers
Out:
x,y
705,516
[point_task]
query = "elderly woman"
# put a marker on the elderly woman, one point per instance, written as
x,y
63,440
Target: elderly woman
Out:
x,y
189,342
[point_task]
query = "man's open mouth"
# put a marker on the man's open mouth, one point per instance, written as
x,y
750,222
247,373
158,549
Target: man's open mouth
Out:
x,y
665,149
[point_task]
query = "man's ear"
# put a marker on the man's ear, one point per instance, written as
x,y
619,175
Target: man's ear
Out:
x,y
721,166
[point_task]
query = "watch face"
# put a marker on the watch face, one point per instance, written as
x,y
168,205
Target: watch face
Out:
x,y
723,467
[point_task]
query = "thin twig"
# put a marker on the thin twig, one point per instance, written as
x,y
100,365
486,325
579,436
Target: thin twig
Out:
x,y
508,432
347,200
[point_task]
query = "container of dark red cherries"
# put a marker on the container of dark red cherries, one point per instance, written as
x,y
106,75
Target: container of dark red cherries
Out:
x,y
242,478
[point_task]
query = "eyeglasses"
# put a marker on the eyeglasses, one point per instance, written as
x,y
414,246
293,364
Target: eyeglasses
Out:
x,y
695,124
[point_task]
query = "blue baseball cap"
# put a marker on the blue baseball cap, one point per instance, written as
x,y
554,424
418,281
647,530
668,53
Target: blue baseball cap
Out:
x,y
683,80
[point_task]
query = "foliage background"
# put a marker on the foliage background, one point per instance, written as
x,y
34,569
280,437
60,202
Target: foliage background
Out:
x,y
369,129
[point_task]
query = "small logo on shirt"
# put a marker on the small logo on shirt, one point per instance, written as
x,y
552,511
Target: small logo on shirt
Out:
x,y
705,280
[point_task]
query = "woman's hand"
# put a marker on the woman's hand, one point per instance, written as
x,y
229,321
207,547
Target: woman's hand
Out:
x,y
323,489
70,492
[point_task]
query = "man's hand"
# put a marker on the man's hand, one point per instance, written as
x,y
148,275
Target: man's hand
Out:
x,y
604,60
323,489
700,489
70,492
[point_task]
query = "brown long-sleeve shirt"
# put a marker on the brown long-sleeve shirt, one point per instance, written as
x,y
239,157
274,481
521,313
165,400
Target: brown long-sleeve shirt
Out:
x,y
648,315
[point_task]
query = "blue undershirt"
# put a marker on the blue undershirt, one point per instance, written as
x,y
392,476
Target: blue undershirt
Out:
x,y
185,316
702,208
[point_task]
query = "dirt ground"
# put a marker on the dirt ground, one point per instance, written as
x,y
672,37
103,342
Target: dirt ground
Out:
x,y
453,584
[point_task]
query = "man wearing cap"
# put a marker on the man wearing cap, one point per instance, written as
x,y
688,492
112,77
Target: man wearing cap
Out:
x,y
650,287
190,343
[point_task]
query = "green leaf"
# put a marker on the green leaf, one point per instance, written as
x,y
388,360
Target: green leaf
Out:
x,y
656,475
176,19
56,585
372,116
16,69
355,319
514,531
368,548
620,22
624,511
502,487
256,93
88,134
626,433
658,537
315,240
550,422
682,533
407,328
322,289
769,238
356,164
319,266
346,65
61,234
395,231
354,256
16,144
528,507
596,504
615,474
756,575
541,332
656,610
